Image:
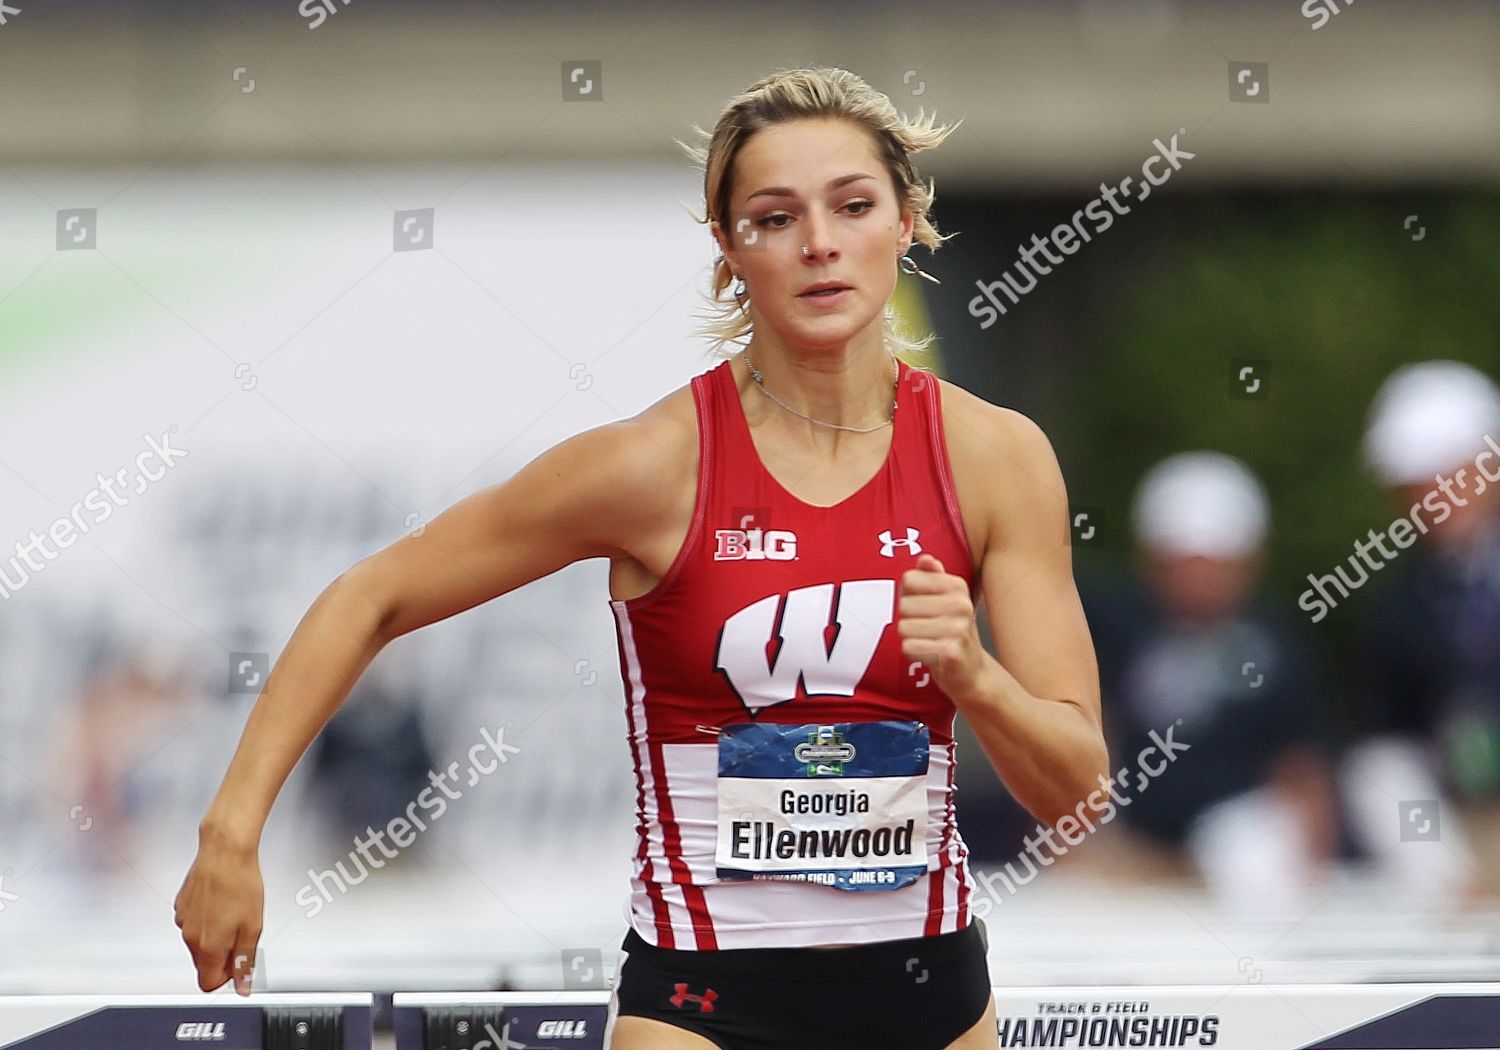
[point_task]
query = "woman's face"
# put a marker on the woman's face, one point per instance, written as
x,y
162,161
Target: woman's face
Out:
x,y
819,183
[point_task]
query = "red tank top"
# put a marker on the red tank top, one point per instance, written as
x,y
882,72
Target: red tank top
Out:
x,y
779,611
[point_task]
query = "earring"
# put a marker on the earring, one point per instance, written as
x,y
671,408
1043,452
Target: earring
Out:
x,y
909,265
739,291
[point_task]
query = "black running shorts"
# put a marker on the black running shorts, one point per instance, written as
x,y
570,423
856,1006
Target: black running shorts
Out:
x,y
920,993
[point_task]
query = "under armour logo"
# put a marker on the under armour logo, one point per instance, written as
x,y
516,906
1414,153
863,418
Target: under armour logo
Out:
x,y
888,546
705,1001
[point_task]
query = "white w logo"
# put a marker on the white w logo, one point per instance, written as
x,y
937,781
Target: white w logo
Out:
x,y
888,546
865,609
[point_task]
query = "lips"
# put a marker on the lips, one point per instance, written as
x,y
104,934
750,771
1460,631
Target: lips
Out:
x,y
827,288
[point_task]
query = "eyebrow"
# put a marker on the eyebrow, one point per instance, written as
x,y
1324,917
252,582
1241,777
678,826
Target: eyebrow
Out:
x,y
787,191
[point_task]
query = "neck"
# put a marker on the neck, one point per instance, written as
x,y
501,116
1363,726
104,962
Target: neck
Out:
x,y
851,386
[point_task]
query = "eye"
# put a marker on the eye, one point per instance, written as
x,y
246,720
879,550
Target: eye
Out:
x,y
771,220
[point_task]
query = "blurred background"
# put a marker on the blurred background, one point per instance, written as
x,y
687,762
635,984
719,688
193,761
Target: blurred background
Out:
x,y
281,281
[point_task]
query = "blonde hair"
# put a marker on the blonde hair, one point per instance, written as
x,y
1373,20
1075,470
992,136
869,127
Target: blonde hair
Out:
x,y
796,94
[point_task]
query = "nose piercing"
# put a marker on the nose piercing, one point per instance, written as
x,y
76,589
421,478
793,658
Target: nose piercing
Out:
x,y
805,252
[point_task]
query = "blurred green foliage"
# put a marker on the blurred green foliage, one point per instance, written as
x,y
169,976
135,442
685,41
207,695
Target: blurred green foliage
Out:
x,y
1334,296
1334,293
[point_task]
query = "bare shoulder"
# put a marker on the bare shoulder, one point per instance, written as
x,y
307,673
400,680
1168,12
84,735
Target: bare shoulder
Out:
x,y
1004,466
653,455
986,429
655,489
666,434
673,419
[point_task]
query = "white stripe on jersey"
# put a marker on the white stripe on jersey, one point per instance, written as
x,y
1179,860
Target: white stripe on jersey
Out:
x,y
645,786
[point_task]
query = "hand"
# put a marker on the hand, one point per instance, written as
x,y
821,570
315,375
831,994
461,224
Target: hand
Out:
x,y
935,619
220,909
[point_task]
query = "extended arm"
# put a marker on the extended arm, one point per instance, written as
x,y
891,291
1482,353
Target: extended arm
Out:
x,y
567,505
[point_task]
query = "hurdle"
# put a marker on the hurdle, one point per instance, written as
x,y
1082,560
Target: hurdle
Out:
x,y
500,1020
264,1021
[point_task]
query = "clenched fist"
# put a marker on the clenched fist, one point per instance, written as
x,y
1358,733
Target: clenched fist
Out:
x,y
936,622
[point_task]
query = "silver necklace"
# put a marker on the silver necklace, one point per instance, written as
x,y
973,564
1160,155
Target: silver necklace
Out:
x,y
760,382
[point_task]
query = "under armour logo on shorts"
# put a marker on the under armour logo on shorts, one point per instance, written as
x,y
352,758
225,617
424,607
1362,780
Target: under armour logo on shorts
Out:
x,y
888,545
705,1001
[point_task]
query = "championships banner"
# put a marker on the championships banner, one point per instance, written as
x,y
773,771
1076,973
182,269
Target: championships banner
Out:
x,y
1254,1016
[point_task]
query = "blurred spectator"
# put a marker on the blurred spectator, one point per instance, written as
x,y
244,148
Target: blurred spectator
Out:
x,y
1190,647
372,759
117,750
1432,634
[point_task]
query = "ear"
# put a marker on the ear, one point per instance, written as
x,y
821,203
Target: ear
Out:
x,y
908,223
721,240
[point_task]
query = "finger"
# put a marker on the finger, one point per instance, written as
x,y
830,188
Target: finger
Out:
x,y
244,965
211,957
921,650
923,581
923,628
922,606
936,566
916,601
213,970
939,604
932,650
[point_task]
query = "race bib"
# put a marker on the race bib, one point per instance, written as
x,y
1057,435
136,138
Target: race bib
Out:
x,y
842,804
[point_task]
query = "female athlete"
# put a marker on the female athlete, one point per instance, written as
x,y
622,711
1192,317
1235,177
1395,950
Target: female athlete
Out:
x,y
796,538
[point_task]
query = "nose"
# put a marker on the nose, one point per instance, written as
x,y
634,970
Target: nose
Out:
x,y
818,240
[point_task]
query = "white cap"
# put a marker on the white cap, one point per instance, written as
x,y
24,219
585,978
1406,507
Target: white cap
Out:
x,y
1430,417
1201,503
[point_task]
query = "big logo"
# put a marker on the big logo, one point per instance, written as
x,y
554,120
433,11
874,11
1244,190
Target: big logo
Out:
x,y
800,620
755,545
